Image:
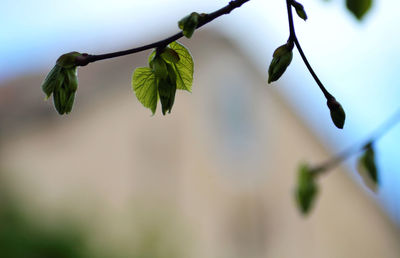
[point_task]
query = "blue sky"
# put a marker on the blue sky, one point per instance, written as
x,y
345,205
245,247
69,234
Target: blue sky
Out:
x,y
358,62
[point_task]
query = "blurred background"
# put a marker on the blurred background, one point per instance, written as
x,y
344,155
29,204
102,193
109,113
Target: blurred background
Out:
x,y
215,177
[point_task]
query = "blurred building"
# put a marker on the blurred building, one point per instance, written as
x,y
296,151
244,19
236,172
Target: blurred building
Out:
x,y
216,175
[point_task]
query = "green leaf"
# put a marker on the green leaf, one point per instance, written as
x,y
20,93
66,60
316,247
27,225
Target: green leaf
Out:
x,y
281,60
188,24
167,90
367,167
337,113
53,80
184,68
170,69
60,99
306,190
299,10
144,85
69,103
150,59
358,7
71,79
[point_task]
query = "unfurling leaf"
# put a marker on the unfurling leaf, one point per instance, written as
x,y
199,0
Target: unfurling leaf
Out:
x,y
160,67
299,10
337,112
144,85
188,24
184,68
170,68
358,7
281,60
367,167
53,80
167,90
306,190
62,82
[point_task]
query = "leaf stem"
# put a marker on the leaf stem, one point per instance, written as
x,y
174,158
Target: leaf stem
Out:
x,y
86,58
292,32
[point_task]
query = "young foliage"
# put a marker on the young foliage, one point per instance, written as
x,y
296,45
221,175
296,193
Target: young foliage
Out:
x,y
306,190
184,68
167,90
62,82
144,85
282,57
170,68
188,24
358,7
367,167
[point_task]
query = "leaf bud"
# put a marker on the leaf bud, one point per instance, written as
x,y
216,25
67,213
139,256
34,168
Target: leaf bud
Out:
x,y
359,8
367,167
337,113
306,190
299,10
62,82
282,57
188,24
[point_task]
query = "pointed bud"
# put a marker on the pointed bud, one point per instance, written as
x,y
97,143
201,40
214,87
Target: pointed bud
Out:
x,y
281,60
188,24
306,190
337,113
367,167
167,89
299,10
359,7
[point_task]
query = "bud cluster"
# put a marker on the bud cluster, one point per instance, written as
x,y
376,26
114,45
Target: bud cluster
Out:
x,y
62,82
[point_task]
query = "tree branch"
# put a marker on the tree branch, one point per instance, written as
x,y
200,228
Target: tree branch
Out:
x,y
86,58
346,153
293,39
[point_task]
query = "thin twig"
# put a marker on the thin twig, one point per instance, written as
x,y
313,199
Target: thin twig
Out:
x,y
293,38
86,58
354,149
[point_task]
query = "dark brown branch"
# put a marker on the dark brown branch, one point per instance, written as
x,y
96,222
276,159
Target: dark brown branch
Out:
x,y
293,38
86,58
